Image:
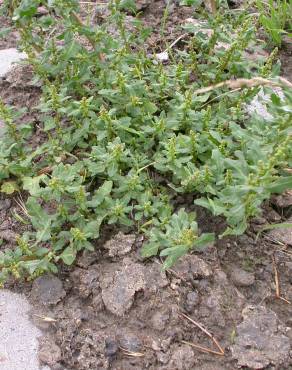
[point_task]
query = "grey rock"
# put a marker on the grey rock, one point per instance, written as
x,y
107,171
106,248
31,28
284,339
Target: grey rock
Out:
x,y
242,278
119,287
7,58
120,244
48,290
260,339
192,300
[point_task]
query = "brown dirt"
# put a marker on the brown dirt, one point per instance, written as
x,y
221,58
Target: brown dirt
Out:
x,y
286,58
112,310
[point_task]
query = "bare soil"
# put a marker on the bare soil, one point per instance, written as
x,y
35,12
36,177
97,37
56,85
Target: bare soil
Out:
x,y
112,310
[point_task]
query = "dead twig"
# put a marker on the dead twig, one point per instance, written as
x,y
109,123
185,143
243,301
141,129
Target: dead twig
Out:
x,y
277,282
241,83
214,340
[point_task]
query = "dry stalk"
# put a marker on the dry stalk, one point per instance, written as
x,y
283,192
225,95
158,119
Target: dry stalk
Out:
x,y
242,83
277,282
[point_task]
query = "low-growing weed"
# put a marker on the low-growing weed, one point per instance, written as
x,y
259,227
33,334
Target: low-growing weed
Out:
x,y
276,18
124,134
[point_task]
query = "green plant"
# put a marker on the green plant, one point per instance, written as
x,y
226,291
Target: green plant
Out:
x,y
123,135
276,18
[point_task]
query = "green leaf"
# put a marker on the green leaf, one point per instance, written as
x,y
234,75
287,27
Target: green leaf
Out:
x,y
127,5
40,220
204,240
32,184
173,253
32,266
280,185
69,255
101,194
9,187
92,228
149,249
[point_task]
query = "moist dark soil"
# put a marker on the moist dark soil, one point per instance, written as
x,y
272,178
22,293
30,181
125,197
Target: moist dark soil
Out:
x,y
113,310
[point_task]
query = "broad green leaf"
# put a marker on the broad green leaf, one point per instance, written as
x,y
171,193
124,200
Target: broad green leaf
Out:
x,y
280,185
149,249
68,256
204,240
32,184
100,194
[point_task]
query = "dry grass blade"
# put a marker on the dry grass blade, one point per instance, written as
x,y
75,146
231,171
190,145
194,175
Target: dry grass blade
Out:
x,y
203,349
241,83
221,350
45,318
131,354
19,201
277,282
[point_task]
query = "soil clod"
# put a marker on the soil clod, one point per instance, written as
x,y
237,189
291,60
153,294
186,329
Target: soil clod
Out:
x,y
48,290
260,339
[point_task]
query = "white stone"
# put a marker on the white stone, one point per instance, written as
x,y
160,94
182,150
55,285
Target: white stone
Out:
x,y
18,336
163,57
7,58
